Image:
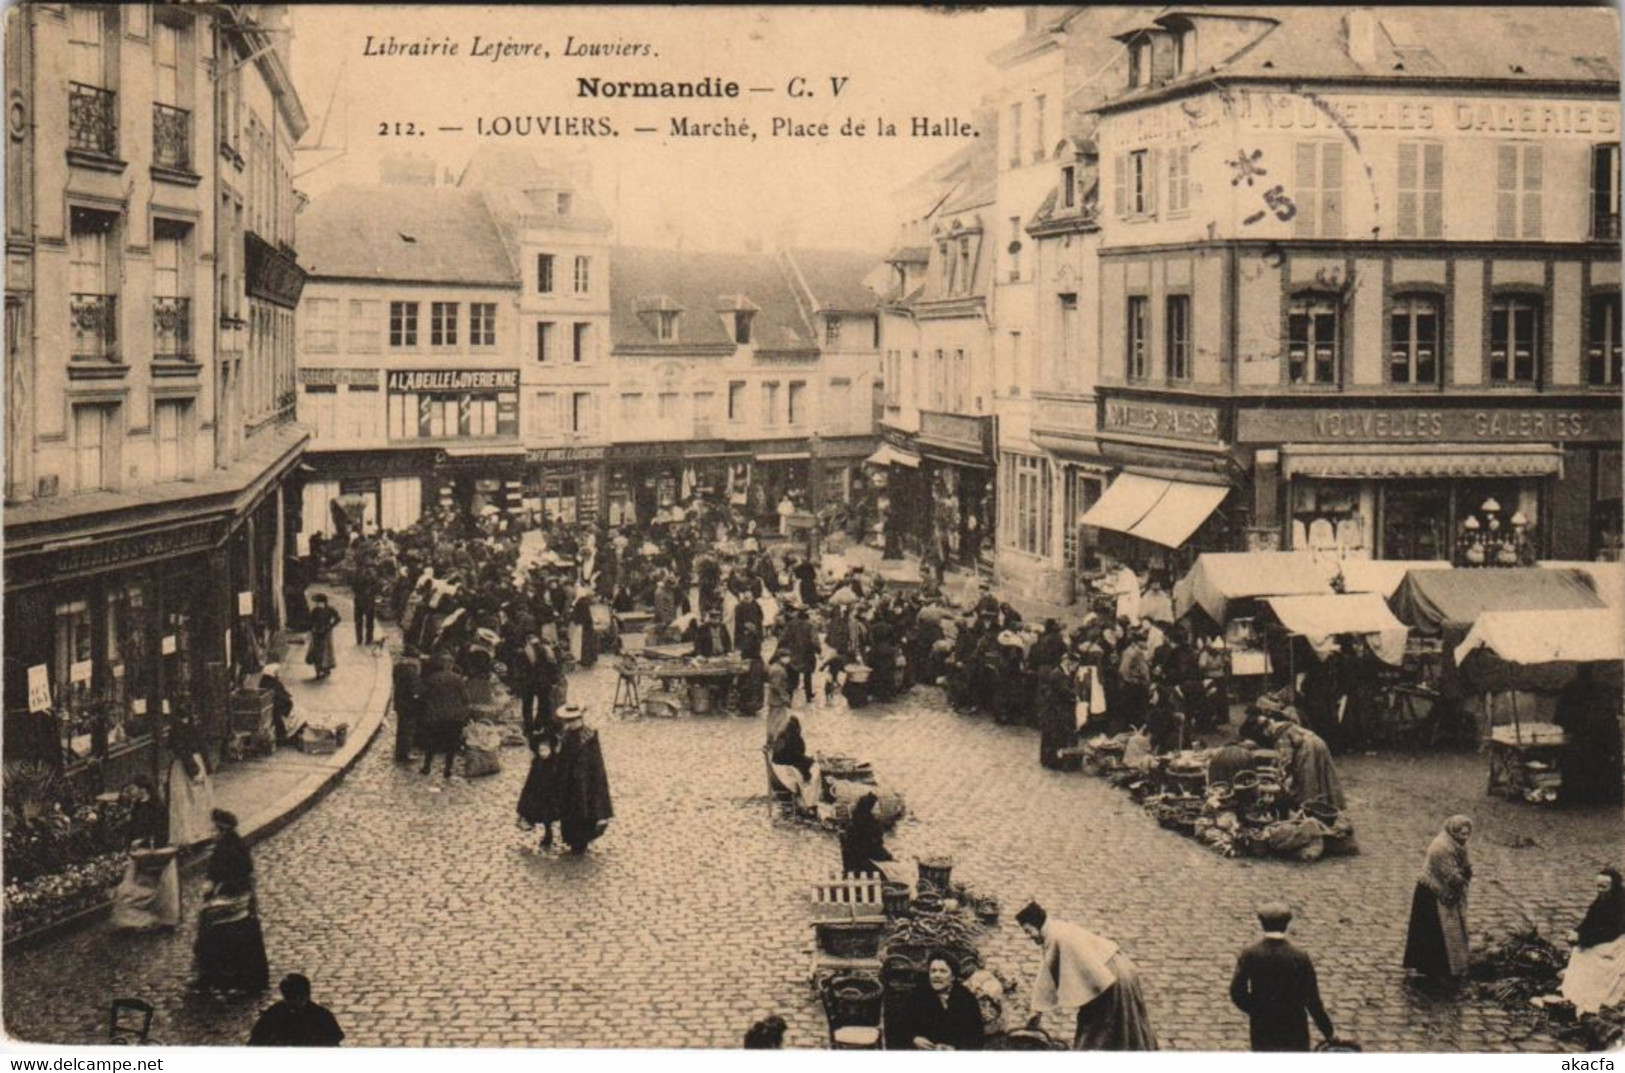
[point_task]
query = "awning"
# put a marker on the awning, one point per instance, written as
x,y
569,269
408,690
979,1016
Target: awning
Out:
x,y
1609,578
1163,512
1529,638
1421,460
1383,576
1450,601
784,456
1321,619
1220,578
888,455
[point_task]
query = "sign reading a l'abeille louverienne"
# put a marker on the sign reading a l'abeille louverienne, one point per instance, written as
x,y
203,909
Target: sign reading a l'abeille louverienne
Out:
x,y
1427,425
408,380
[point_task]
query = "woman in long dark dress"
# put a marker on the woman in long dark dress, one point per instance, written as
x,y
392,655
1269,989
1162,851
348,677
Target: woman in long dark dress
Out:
x,y
539,801
230,947
863,843
322,620
1436,944
583,632
1057,716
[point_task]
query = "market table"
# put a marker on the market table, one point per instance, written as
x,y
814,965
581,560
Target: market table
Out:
x,y
634,672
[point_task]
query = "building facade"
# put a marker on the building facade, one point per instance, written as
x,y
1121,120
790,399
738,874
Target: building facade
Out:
x,y
1364,299
143,484
409,359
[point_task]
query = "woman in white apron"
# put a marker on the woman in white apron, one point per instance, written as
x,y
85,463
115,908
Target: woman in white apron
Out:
x,y
190,789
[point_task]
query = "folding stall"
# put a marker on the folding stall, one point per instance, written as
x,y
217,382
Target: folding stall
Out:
x,y
1445,604
1321,619
1520,652
1226,586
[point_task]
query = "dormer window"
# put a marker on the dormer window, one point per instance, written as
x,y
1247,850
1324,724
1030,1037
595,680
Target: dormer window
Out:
x,y
1184,52
566,203
1139,62
1069,187
666,325
742,319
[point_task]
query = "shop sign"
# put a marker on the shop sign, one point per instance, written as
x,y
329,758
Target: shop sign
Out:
x,y
39,688
116,551
960,431
271,274
666,449
1377,425
564,454
167,645
245,604
79,671
138,706
1198,424
897,437
332,377
403,381
1333,113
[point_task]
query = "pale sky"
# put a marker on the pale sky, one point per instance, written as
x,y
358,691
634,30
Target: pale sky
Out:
x,y
708,193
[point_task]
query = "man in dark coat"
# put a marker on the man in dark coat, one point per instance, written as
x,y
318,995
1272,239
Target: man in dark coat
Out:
x,y
748,613
800,640
583,784
537,677
296,1021
444,712
711,638
1275,986
406,677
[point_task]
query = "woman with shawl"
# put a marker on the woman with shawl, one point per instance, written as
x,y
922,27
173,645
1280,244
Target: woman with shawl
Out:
x,y
1595,977
1057,716
863,842
1436,945
1083,971
230,947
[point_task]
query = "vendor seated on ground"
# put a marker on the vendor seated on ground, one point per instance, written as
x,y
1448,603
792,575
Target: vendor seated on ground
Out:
x,y
1595,977
942,1015
795,768
863,842
281,702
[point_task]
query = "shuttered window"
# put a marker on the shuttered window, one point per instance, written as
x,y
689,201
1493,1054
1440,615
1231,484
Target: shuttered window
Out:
x,y
1318,180
1421,190
1519,168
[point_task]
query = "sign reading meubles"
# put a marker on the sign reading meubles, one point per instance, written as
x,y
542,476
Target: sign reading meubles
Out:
x,y
405,380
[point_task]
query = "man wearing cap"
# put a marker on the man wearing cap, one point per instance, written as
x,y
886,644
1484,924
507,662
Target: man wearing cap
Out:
x,y
1275,986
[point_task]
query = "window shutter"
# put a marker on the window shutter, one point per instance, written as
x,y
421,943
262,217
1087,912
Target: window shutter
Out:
x,y
1120,186
1331,187
1433,191
1406,205
1153,170
1506,191
1532,166
1307,193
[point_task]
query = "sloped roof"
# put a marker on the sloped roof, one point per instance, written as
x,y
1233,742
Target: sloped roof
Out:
x,y
701,284
835,279
1579,44
406,233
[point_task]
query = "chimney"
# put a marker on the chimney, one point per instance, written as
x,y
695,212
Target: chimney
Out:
x,y
1361,28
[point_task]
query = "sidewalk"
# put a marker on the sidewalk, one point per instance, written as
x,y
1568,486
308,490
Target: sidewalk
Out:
x,y
268,793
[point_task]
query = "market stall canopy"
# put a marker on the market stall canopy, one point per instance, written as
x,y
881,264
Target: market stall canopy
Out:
x,y
1383,576
1162,511
887,455
1220,578
1539,650
1450,601
1321,619
1609,578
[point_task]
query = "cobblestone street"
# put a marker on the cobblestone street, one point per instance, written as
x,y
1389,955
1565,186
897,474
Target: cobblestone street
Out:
x,y
425,919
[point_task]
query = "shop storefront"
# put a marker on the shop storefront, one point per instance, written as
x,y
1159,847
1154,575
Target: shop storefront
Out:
x,y
957,474
1176,494
128,615
1417,481
564,484
893,472
1065,427
383,489
644,479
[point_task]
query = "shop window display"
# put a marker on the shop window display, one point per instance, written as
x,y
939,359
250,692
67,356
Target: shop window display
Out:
x,y
1328,518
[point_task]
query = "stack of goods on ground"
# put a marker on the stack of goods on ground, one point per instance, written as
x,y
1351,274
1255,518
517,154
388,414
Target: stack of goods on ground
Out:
x,y
1251,815
1522,973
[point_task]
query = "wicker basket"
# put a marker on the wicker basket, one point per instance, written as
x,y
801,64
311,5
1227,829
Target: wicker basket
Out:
x,y
853,999
937,873
849,938
895,897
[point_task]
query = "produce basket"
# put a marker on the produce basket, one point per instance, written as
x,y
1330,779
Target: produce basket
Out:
x,y
848,938
853,999
895,898
937,873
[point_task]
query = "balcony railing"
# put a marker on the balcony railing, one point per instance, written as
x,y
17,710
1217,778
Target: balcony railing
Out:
x,y
95,326
172,329
171,137
92,119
